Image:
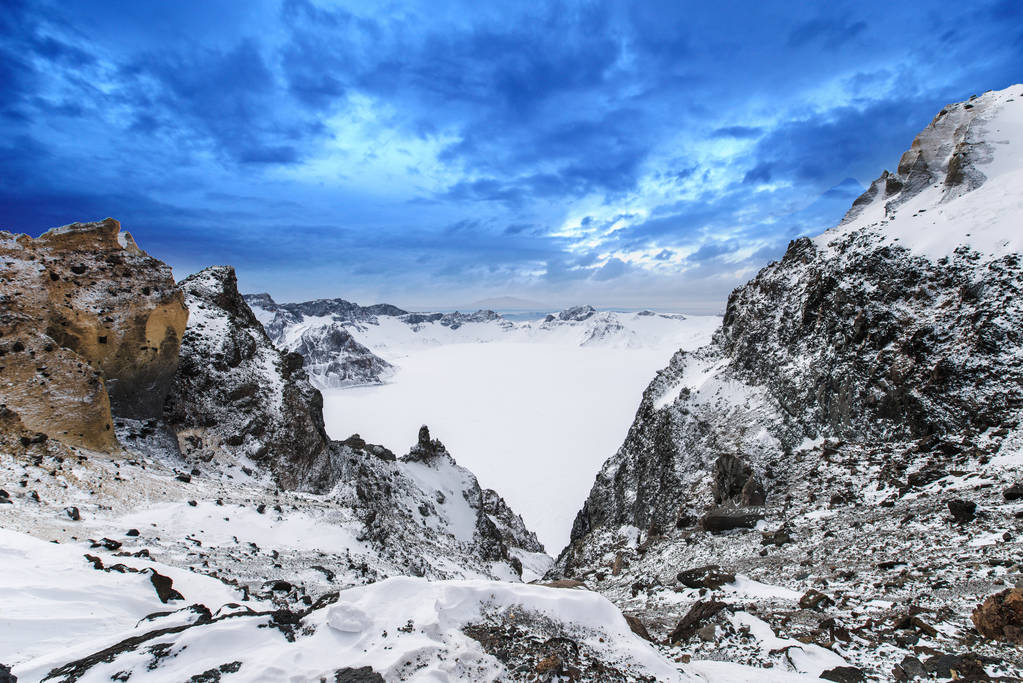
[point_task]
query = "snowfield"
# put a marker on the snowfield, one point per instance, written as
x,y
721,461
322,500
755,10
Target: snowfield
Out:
x,y
533,418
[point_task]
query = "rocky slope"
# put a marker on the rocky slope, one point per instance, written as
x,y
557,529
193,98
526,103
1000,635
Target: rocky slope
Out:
x,y
844,449
90,326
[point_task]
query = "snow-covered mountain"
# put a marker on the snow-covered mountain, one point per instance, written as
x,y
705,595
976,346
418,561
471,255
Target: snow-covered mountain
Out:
x,y
847,449
345,344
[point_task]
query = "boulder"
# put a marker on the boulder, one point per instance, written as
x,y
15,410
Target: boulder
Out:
x,y
963,511
694,620
843,674
718,521
1000,616
710,577
1014,492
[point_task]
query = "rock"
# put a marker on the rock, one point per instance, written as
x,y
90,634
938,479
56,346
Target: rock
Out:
x,y
912,622
6,676
363,674
132,532
73,513
637,627
1014,492
164,586
1000,616
577,313
753,493
97,324
108,543
966,666
779,537
814,599
693,621
963,511
730,476
705,577
565,583
844,674
275,417
909,669
718,521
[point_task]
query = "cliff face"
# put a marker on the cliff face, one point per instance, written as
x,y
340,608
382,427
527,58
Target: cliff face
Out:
x,y
91,326
859,392
236,396
904,322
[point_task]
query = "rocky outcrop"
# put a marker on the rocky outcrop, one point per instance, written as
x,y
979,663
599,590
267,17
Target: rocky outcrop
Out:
x,y
332,355
236,396
90,328
851,385
1000,617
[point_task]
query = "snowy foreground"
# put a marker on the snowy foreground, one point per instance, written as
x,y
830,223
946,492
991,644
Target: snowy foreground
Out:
x,y
59,612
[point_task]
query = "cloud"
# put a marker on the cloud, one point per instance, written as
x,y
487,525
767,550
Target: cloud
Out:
x,y
641,150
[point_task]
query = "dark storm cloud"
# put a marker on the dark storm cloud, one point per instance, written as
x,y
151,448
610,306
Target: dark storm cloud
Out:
x,y
449,141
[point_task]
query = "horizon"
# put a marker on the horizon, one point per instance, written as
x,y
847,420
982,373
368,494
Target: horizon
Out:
x,y
428,155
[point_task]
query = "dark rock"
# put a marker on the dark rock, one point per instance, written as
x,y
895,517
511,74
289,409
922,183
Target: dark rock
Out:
x,y
694,619
963,511
364,674
753,493
132,532
73,513
6,676
705,577
184,477
967,666
843,674
717,521
1000,616
164,586
730,476
1014,492
637,627
779,537
909,669
814,599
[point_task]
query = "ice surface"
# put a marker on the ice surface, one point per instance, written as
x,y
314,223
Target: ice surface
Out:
x,y
532,419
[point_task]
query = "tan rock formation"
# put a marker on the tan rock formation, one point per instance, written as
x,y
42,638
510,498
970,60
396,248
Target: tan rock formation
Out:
x,y
89,325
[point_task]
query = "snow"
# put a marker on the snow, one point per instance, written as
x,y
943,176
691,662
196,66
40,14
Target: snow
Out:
x,y
932,224
57,608
52,597
532,419
694,377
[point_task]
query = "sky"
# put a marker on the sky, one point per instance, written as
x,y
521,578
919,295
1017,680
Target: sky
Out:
x,y
430,154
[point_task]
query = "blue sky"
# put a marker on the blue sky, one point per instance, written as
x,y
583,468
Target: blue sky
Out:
x,y
430,154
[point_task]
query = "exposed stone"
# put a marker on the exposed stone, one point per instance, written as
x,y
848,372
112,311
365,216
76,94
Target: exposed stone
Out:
x,y
164,586
694,619
844,674
814,599
710,577
718,521
637,627
91,327
963,511
234,395
1000,616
